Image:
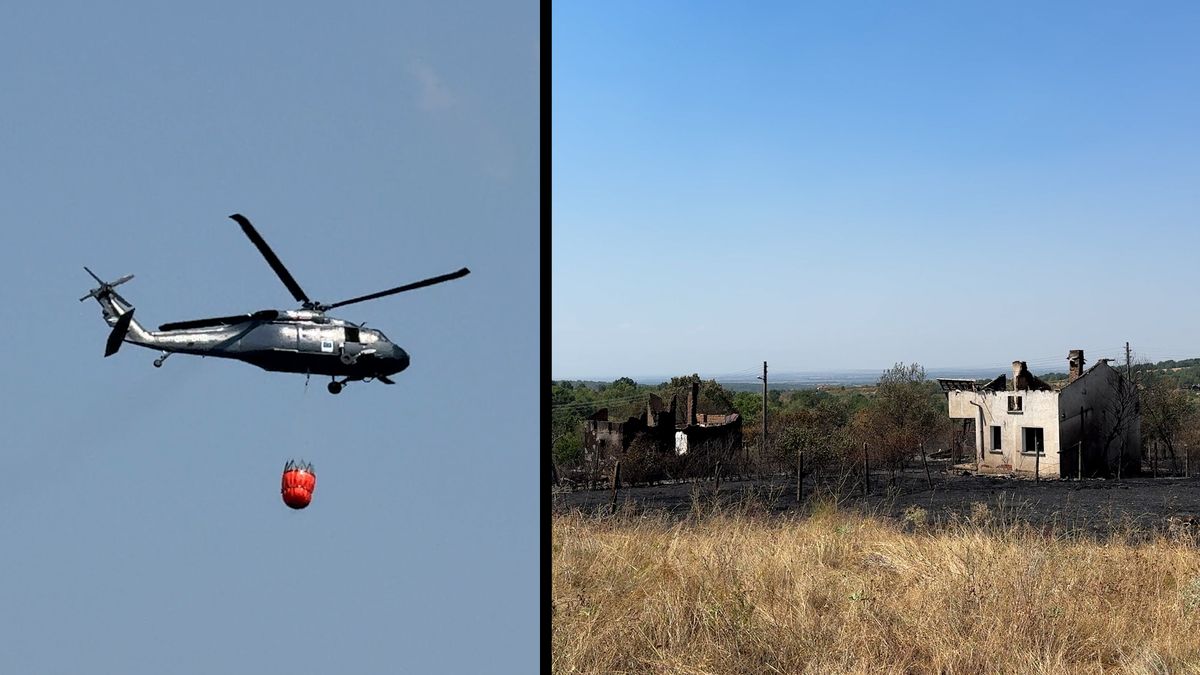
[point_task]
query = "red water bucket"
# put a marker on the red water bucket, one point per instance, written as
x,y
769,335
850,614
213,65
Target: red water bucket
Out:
x,y
299,481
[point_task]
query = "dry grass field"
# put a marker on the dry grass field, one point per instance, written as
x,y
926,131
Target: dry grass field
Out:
x,y
733,590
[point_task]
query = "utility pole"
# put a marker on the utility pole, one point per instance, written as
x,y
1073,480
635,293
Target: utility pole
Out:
x,y
764,415
1130,393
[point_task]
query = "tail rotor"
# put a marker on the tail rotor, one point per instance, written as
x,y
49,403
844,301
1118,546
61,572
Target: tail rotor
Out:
x,y
117,310
105,288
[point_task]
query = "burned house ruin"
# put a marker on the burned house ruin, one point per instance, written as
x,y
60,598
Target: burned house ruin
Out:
x,y
690,443
604,438
1090,425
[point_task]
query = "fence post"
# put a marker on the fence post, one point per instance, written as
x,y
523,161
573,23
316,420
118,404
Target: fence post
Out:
x,y
718,478
616,483
1120,459
1037,461
925,463
799,476
866,471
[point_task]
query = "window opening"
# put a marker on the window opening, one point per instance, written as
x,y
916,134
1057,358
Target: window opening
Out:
x,y
1033,441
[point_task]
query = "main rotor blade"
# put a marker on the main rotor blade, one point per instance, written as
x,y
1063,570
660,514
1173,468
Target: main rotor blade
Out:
x,y
400,289
264,315
272,259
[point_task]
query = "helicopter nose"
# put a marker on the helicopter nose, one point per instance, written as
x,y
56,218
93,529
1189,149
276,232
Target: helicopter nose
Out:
x,y
400,357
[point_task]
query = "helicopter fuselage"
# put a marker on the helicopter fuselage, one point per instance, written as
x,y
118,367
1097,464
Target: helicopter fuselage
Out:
x,y
288,341
318,346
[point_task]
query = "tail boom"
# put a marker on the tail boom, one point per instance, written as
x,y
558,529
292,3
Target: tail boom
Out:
x,y
118,313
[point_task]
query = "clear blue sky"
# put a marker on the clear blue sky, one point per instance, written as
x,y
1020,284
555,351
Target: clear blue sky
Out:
x,y
372,144
848,185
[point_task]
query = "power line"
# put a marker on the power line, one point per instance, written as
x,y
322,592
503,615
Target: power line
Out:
x,y
601,402
1043,362
644,395
740,371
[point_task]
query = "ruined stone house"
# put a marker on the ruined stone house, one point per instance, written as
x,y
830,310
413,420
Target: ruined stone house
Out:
x,y
1090,423
694,434
604,439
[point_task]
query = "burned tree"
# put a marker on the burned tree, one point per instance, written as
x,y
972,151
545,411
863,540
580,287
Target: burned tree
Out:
x,y
1167,412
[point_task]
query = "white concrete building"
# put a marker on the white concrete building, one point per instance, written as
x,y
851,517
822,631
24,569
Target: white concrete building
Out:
x,y
1091,423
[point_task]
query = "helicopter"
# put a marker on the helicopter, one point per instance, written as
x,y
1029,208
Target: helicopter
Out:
x,y
305,340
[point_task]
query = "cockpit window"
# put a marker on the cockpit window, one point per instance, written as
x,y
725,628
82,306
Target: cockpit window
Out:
x,y
376,335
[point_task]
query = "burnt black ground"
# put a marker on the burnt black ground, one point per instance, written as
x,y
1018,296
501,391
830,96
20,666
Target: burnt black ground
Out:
x,y
1089,507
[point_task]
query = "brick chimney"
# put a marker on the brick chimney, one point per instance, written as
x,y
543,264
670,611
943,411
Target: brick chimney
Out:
x,y
1075,358
693,401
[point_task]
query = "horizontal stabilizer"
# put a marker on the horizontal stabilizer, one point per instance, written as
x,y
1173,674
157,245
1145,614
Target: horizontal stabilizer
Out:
x,y
117,336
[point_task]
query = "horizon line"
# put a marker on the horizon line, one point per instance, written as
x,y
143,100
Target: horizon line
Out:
x,y
783,374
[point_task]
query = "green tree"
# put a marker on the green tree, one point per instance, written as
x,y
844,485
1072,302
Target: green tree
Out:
x,y
570,404
714,399
906,412
748,406
568,408
622,397
819,431
568,445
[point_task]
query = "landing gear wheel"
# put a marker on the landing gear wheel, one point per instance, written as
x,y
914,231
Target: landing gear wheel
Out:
x,y
334,387
158,363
